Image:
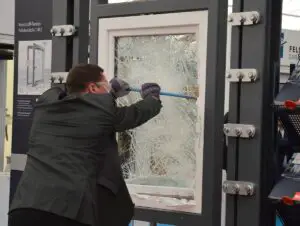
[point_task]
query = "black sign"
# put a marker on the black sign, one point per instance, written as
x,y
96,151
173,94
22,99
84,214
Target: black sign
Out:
x,y
33,45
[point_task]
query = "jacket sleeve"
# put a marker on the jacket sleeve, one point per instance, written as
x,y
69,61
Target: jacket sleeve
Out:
x,y
136,114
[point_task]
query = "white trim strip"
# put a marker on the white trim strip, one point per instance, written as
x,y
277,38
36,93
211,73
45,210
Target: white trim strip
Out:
x,y
161,191
141,223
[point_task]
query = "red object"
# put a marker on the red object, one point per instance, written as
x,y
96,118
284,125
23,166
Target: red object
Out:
x,y
289,104
296,196
291,201
287,201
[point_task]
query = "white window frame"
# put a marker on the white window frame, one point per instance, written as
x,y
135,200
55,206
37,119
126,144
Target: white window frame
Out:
x,y
162,24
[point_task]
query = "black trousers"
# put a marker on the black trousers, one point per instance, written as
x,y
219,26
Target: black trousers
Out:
x,y
31,217
115,209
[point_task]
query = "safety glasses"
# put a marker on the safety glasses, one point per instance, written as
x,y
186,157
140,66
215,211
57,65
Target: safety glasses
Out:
x,y
105,85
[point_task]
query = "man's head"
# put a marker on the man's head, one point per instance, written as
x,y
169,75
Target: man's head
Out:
x,y
87,78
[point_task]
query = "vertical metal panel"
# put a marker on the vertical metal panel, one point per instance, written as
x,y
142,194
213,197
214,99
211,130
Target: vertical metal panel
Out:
x,y
234,115
256,155
94,30
81,40
214,112
62,46
150,6
276,28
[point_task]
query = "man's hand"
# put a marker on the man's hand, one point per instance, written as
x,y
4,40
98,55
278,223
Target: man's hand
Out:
x,y
150,89
119,87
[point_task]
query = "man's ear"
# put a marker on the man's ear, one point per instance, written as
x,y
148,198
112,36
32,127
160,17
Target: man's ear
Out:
x,y
91,88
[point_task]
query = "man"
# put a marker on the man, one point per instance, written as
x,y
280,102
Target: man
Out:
x,y
73,175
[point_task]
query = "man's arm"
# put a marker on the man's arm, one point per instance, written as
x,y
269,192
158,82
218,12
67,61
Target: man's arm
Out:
x,y
136,114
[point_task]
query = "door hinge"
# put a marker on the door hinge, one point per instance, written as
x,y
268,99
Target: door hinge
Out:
x,y
242,188
239,130
63,30
58,77
242,75
244,18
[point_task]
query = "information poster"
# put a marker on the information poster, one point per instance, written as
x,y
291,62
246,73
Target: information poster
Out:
x,y
32,62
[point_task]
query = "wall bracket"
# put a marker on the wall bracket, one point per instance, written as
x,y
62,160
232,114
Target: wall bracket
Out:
x,y
63,30
239,130
242,188
58,77
244,18
242,75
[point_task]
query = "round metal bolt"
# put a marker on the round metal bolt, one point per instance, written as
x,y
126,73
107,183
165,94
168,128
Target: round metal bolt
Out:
x,y
53,31
251,75
238,132
249,189
228,75
225,187
254,18
62,30
242,19
60,79
71,30
52,79
239,75
230,19
226,130
250,132
236,188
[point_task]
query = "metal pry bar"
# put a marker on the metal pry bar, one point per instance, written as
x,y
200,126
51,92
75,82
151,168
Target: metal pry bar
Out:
x,y
167,94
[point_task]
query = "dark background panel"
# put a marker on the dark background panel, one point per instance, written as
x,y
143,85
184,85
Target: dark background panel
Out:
x,y
36,19
33,21
234,115
21,130
255,160
23,105
15,176
28,15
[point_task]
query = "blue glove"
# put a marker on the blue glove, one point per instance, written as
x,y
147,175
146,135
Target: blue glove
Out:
x,y
150,89
119,87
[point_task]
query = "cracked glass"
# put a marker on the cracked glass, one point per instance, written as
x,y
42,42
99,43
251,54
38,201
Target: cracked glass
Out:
x,y
159,157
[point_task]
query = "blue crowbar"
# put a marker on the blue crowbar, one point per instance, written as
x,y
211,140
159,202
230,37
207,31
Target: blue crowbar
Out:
x,y
166,94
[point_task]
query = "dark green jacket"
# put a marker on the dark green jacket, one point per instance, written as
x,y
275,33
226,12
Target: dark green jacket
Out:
x,y
72,148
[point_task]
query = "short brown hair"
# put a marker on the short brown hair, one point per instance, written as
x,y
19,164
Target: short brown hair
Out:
x,y
82,74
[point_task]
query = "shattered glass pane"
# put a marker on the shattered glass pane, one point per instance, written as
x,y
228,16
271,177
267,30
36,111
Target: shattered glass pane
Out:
x,y
161,153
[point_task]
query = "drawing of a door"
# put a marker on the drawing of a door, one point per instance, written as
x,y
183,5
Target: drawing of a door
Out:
x,y
30,65
35,64
39,58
